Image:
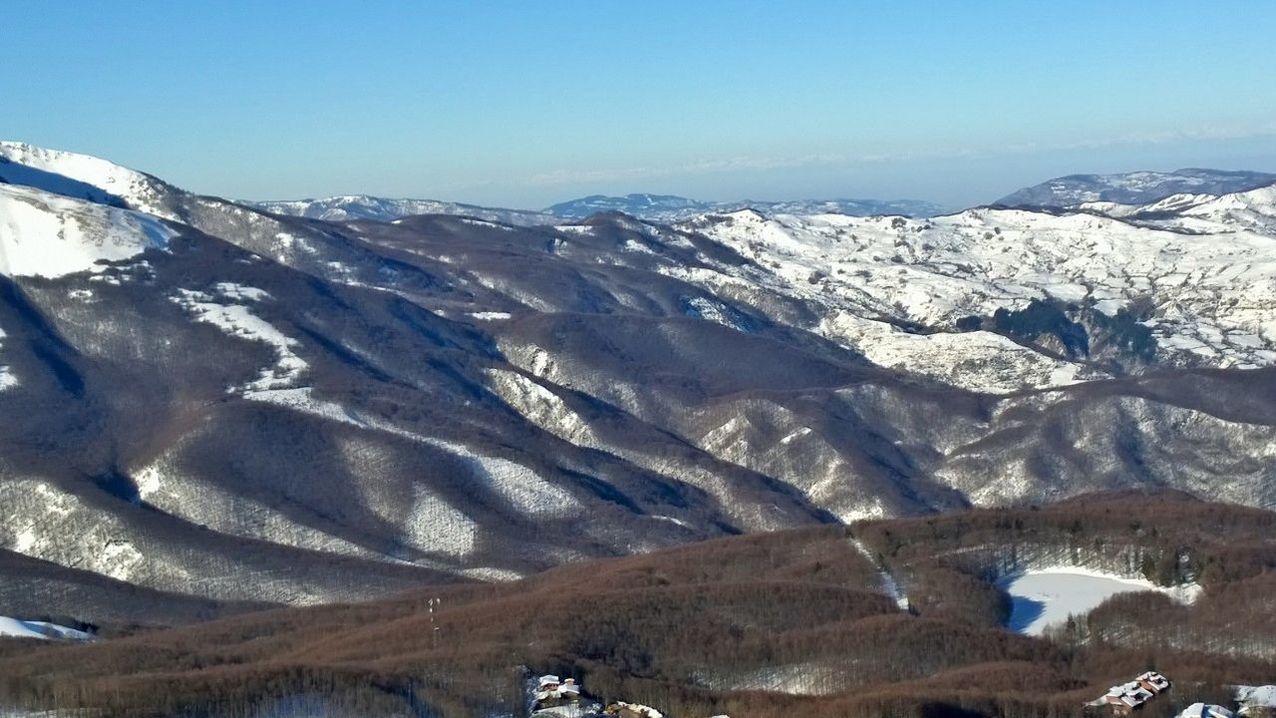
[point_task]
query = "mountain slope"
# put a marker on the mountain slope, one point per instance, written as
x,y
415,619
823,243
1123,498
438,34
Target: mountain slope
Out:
x,y
264,408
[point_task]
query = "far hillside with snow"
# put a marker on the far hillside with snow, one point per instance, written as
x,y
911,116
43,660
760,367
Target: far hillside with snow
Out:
x,y
1134,188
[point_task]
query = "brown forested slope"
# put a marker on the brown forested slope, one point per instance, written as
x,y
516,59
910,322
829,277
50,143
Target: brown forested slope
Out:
x,y
783,624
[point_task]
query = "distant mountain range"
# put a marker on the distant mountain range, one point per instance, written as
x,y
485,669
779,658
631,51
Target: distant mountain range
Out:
x,y
1134,188
345,208
672,208
1070,192
651,207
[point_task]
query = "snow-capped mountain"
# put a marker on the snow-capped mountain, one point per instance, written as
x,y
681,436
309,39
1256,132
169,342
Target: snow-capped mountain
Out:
x,y
1133,188
208,404
381,209
671,208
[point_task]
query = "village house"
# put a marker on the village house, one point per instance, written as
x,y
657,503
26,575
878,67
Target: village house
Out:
x,y
1257,701
1126,698
620,709
551,692
1202,710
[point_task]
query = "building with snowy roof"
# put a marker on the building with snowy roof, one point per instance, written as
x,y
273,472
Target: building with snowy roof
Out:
x,y
1126,698
620,709
552,692
1205,710
1257,701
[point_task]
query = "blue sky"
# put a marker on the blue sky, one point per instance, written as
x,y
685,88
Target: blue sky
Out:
x,y
527,103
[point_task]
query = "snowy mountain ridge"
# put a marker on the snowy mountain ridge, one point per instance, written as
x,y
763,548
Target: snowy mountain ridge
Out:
x,y
50,170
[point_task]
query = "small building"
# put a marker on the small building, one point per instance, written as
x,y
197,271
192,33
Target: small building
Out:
x,y
621,709
1126,698
552,692
1257,701
1204,710
1153,682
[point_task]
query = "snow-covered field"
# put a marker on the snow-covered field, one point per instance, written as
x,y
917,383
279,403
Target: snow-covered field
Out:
x,y
1047,597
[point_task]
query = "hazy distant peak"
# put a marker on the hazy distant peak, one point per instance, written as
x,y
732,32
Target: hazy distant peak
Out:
x,y
666,208
1134,188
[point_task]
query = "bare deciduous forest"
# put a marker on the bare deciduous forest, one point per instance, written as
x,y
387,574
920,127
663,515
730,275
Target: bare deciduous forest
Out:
x,y
768,625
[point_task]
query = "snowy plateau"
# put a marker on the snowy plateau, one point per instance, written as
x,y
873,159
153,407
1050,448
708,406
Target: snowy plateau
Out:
x,y
341,407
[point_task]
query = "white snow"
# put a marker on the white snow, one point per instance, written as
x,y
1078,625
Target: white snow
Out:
x,y
1255,697
14,628
48,235
1046,597
490,316
886,581
7,379
44,521
135,188
1212,284
238,320
345,208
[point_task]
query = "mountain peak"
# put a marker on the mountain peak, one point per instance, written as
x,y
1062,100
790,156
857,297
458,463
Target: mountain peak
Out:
x,y
80,176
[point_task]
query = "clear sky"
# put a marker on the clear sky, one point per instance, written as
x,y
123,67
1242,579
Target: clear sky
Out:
x,y
526,103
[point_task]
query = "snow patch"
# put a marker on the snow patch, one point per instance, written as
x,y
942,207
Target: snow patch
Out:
x,y
7,379
887,582
48,235
41,630
135,188
238,320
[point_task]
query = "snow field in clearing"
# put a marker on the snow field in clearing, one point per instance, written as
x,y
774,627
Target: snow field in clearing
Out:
x,y
1046,597
14,628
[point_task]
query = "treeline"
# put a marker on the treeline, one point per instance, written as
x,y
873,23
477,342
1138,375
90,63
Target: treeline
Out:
x,y
1167,537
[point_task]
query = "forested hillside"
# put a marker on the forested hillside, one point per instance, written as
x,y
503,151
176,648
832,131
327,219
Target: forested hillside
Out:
x,y
768,625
